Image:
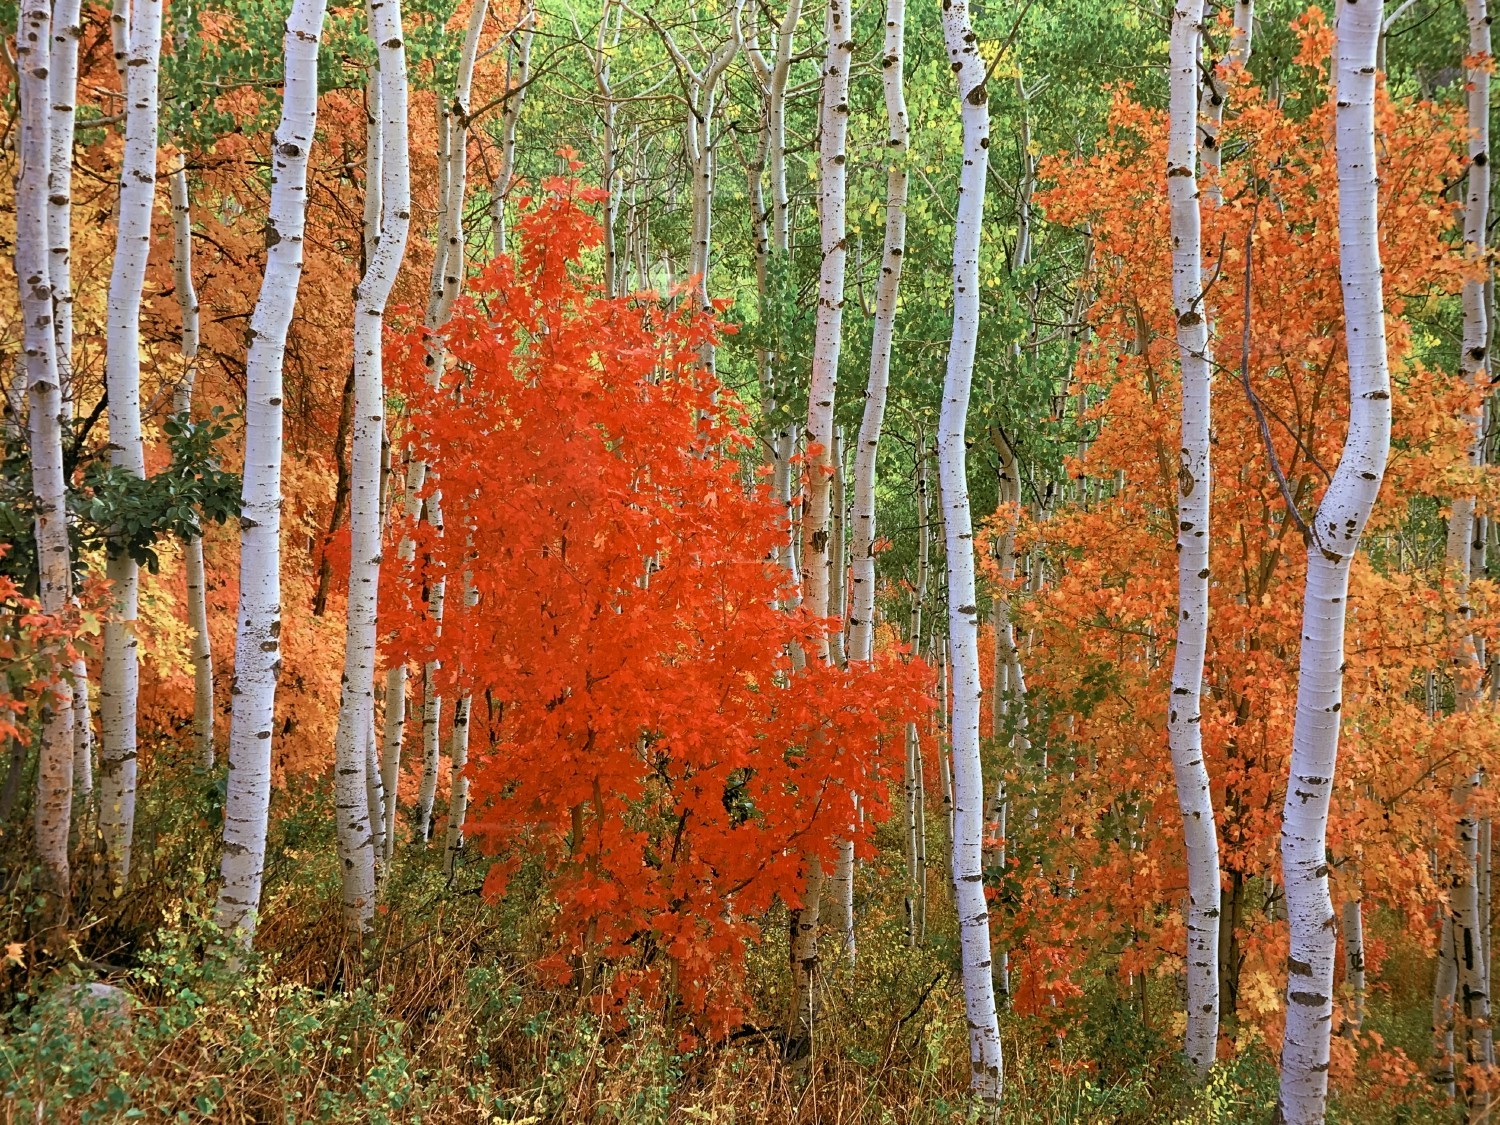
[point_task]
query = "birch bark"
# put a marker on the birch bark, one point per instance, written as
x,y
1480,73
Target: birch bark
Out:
x,y
986,1077
817,530
448,270
182,403
257,649
1337,526
862,608
119,681
54,782
357,707
1194,488
63,92
1462,546
510,117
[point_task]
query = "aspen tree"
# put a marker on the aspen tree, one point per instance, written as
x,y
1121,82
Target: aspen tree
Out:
x,y
862,607
817,530
54,781
1473,999
357,705
182,403
1211,104
1010,678
701,90
1354,962
916,826
458,800
63,86
119,681
986,1077
448,270
1194,486
257,647
1336,530
606,43
774,242
518,78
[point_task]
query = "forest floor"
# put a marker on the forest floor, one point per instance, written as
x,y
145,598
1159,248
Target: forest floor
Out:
x,y
442,1016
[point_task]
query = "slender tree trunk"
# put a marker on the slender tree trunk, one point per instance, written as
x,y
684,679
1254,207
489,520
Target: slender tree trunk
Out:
x,y
63,85
257,649
517,79
119,682
357,707
606,44
817,522
1337,526
1462,546
182,403
1214,92
1354,962
968,66
458,792
916,828
448,271
1444,997
1194,488
54,785
862,608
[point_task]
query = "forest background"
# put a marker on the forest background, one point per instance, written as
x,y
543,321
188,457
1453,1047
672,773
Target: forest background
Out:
x,y
610,485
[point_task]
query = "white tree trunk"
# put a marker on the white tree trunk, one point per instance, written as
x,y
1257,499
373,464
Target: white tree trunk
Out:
x,y
448,271
54,782
817,524
182,403
1337,526
1354,961
119,682
1194,488
355,736
606,43
517,78
257,647
458,792
862,608
817,553
63,85
375,800
773,243
986,1077
1444,1004
1214,92
916,827
390,752
1464,900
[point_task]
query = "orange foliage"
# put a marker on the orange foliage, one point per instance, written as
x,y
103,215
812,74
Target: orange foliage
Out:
x,y
1106,871
640,736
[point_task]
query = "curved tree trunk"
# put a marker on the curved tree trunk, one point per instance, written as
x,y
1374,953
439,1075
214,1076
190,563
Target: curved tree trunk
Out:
x,y
257,644
1337,527
119,682
63,85
817,523
986,1077
357,706
517,78
54,783
1194,488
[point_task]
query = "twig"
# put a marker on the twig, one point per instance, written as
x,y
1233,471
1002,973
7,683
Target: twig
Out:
x,y
1260,414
